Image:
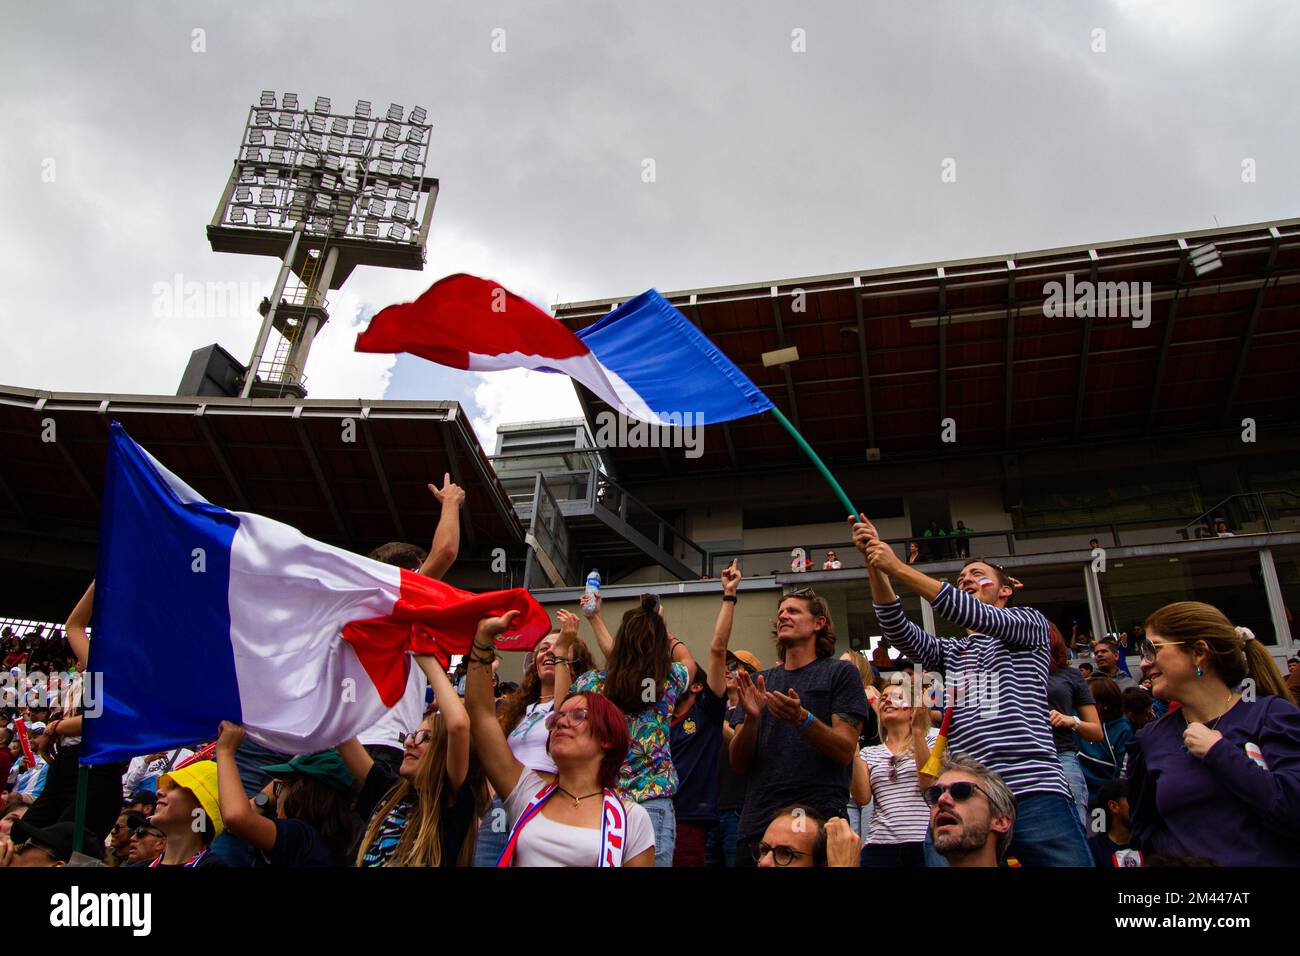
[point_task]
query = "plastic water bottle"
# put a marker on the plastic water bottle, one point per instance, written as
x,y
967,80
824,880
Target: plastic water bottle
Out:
x,y
589,595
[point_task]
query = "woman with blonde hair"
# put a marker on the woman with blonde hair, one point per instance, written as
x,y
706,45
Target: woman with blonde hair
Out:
x,y
888,775
860,814
1220,777
425,813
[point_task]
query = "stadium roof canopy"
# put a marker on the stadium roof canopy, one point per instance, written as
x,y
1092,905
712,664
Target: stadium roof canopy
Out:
x,y
287,459
886,355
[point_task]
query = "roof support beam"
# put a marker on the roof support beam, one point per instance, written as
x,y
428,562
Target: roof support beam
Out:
x,y
1081,389
780,336
382,474
219,453
943,343
1172,318
314,460
1011,351
1251,323
726,426
862,356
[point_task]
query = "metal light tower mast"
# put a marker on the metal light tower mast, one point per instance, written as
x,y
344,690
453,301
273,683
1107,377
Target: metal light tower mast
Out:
x,y
324,193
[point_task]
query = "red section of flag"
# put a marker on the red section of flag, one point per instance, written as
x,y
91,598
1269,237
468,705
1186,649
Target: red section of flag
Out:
x,y
431,617
462,314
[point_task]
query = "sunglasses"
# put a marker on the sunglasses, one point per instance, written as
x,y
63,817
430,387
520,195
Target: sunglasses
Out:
x,y
781,855
30,844
1149,650
961,791
576,716
148,832
415,738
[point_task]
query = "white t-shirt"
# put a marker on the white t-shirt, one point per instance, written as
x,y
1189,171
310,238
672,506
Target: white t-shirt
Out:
x,y
528,740
403,717
546,843
899,813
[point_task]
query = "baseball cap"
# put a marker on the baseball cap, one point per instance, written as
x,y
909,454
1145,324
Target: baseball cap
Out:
x,y
200,779
147,797
57,838
325,765
746,658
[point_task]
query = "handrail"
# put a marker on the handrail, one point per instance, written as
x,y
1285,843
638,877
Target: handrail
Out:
x,y
1203,519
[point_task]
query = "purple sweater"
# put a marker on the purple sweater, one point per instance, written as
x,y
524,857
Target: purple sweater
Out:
x,y
1224,807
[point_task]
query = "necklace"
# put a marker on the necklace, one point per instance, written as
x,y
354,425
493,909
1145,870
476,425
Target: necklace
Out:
x,y
577,801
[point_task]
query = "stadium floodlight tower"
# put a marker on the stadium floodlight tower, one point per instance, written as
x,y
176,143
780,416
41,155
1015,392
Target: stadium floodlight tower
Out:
x,y
323,192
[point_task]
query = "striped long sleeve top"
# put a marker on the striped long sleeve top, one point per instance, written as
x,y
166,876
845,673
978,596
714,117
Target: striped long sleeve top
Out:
x,y
996,680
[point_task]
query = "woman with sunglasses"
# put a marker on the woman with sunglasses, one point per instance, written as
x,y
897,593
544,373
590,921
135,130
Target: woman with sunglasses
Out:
x,y
646,671
571,817
423,814
889,778
523,718
1220,777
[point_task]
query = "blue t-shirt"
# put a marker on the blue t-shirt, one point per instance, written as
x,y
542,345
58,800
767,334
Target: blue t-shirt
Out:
x,y
696,741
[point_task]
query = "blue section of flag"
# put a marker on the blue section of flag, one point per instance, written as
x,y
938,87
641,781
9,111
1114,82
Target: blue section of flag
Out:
x,y
160,632
670,363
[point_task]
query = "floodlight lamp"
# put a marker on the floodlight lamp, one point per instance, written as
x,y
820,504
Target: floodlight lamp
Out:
x,y
277,156
336,144
281,139
397,231
383,167
363,109
419,114
238,215
256,137
415,135
387,151
370,228
322,104
316,123
252,154
289,101
243,195
412,153
268,99
402,210
377,207
361,128
394,113
392,133
262,217
406,192
262,118
284,120
406,171
339,127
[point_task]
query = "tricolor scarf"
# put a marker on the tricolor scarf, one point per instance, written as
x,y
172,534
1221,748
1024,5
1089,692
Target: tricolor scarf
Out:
x,y
192,861
613,826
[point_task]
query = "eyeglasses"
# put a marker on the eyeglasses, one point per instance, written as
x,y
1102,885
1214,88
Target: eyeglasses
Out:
x,y
415,738
960,791
781,855
576,716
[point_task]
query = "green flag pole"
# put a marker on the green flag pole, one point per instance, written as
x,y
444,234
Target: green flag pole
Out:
x,y
79,814
821,466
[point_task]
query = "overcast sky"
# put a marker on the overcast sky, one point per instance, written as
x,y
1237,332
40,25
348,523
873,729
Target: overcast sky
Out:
x,y
770,161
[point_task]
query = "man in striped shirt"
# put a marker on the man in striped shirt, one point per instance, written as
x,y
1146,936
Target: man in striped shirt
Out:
x,y
996,680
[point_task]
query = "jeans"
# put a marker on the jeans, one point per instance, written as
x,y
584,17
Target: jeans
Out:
x,y
492,835
1048,832
1078,783
859,819
664,820
722,839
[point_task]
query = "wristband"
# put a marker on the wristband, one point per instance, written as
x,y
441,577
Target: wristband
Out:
x,y
729,598
807,722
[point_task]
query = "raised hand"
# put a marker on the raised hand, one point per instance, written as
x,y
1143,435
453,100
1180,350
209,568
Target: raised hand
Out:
x,y
843,846
731,577
752,697
229,736
490,628
784,707
568,630
450,494
880,557
864,532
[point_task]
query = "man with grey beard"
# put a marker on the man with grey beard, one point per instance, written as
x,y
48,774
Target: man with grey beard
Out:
x,y
972,813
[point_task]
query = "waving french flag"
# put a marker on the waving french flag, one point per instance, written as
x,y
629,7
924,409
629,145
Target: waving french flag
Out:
x,y
204,614
644,359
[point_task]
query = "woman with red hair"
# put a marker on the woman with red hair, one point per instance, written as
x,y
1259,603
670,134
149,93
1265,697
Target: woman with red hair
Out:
x,y
1073,716
571,817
